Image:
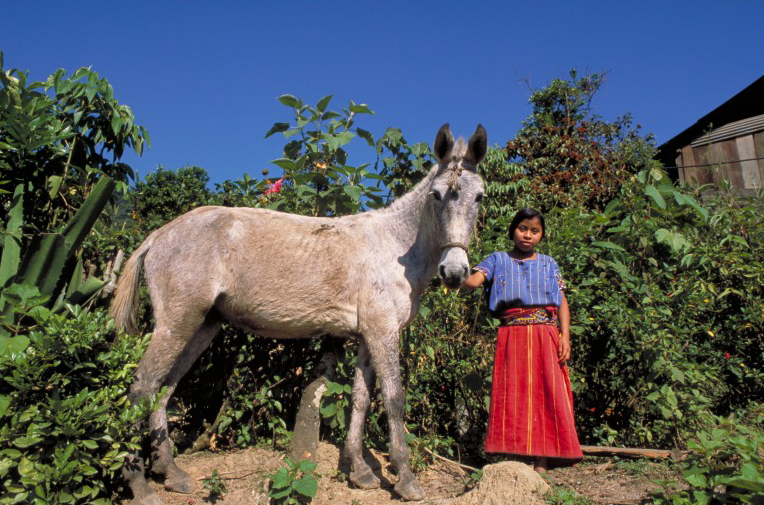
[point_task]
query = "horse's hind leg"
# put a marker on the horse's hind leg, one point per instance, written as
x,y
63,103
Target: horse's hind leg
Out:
x,y
166,360
361,474
162,461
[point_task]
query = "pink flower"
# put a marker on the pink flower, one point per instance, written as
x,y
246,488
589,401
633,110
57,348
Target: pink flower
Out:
x,y
275,187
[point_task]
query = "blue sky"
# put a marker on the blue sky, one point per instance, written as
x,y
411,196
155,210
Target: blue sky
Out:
x,y
203,77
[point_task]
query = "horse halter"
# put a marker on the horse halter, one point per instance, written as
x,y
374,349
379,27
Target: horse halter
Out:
x,y
460,245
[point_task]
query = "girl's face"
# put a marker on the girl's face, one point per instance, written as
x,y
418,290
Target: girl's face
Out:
x,y
527,234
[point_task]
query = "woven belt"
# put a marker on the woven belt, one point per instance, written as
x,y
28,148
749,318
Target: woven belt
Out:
x,y
535,315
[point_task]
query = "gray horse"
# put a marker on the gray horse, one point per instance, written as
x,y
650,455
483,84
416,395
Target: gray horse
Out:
x,y
287,276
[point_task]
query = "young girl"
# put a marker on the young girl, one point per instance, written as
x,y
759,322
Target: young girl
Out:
x,y
531,411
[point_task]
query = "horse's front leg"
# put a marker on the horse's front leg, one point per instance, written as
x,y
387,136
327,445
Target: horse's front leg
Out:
x,y
361,474
386,362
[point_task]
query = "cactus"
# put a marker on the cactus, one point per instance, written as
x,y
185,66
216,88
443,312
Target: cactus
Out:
x,y
48,253
9,264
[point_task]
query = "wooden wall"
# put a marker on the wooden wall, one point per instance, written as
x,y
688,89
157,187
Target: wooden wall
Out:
x,y
725,159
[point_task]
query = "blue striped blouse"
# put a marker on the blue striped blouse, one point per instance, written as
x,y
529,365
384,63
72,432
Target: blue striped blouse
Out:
x,y
514,283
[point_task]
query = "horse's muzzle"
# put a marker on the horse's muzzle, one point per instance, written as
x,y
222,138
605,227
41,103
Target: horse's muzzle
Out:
x,y
453,276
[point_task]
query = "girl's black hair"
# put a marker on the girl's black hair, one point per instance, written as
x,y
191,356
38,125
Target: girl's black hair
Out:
x,y
522,215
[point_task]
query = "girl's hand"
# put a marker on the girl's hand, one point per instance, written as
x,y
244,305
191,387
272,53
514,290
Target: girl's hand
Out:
x,y
563,350
474,281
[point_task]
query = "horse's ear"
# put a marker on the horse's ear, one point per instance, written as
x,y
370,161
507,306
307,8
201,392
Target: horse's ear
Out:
x,y
478,146
444,142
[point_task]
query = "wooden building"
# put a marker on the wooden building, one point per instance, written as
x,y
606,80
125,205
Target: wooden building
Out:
x,y
725,144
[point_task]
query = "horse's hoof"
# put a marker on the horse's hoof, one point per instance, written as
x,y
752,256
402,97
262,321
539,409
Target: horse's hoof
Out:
x,y
147,499
409,491
180,483
366,480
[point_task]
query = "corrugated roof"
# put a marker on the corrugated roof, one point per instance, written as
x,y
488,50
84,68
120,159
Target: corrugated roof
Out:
x,y
731,130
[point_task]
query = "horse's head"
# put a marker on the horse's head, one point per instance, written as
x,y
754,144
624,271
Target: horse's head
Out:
x,y
455,193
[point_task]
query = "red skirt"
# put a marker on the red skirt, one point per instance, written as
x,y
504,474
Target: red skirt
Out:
x,y
531,401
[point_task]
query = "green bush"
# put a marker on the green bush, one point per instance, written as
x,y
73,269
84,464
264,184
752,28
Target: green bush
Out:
x,y
569,155
666,300
726,464
65,421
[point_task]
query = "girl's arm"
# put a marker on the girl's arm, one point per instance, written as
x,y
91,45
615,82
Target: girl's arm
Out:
x,y
474,281
563,350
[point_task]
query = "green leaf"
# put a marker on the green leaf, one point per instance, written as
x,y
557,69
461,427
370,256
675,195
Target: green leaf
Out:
x,y
697,480
345,137
289,100
353,191
306,486
329,410
307,466
54,185
13,345
83,292
281,479
329,115
5,400
735,238
321,106
653,193
24,442
284,163
116,122
608,245
276,128
663,235
684,199
361,109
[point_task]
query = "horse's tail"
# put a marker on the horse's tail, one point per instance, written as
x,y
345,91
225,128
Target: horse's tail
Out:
x,y
125,304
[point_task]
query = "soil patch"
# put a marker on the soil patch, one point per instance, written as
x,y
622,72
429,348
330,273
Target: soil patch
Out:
x,y
245,473
613,482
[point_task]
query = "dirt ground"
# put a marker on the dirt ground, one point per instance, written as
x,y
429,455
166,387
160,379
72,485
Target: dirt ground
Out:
x,y
245,474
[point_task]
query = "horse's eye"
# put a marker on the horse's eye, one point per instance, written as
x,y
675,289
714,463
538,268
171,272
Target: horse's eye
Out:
x,y
436,194
478,197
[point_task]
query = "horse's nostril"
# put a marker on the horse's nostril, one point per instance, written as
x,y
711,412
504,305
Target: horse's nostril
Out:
x,y
442,271
466,271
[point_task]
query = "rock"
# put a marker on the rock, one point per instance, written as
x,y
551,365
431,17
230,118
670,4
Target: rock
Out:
x,y
507,483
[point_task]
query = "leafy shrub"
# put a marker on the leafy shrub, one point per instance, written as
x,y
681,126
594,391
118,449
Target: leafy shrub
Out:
x,y
295,483
560,496
164,195
215,485
666,303
726,464
66,422
569,155
56,138
318,179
